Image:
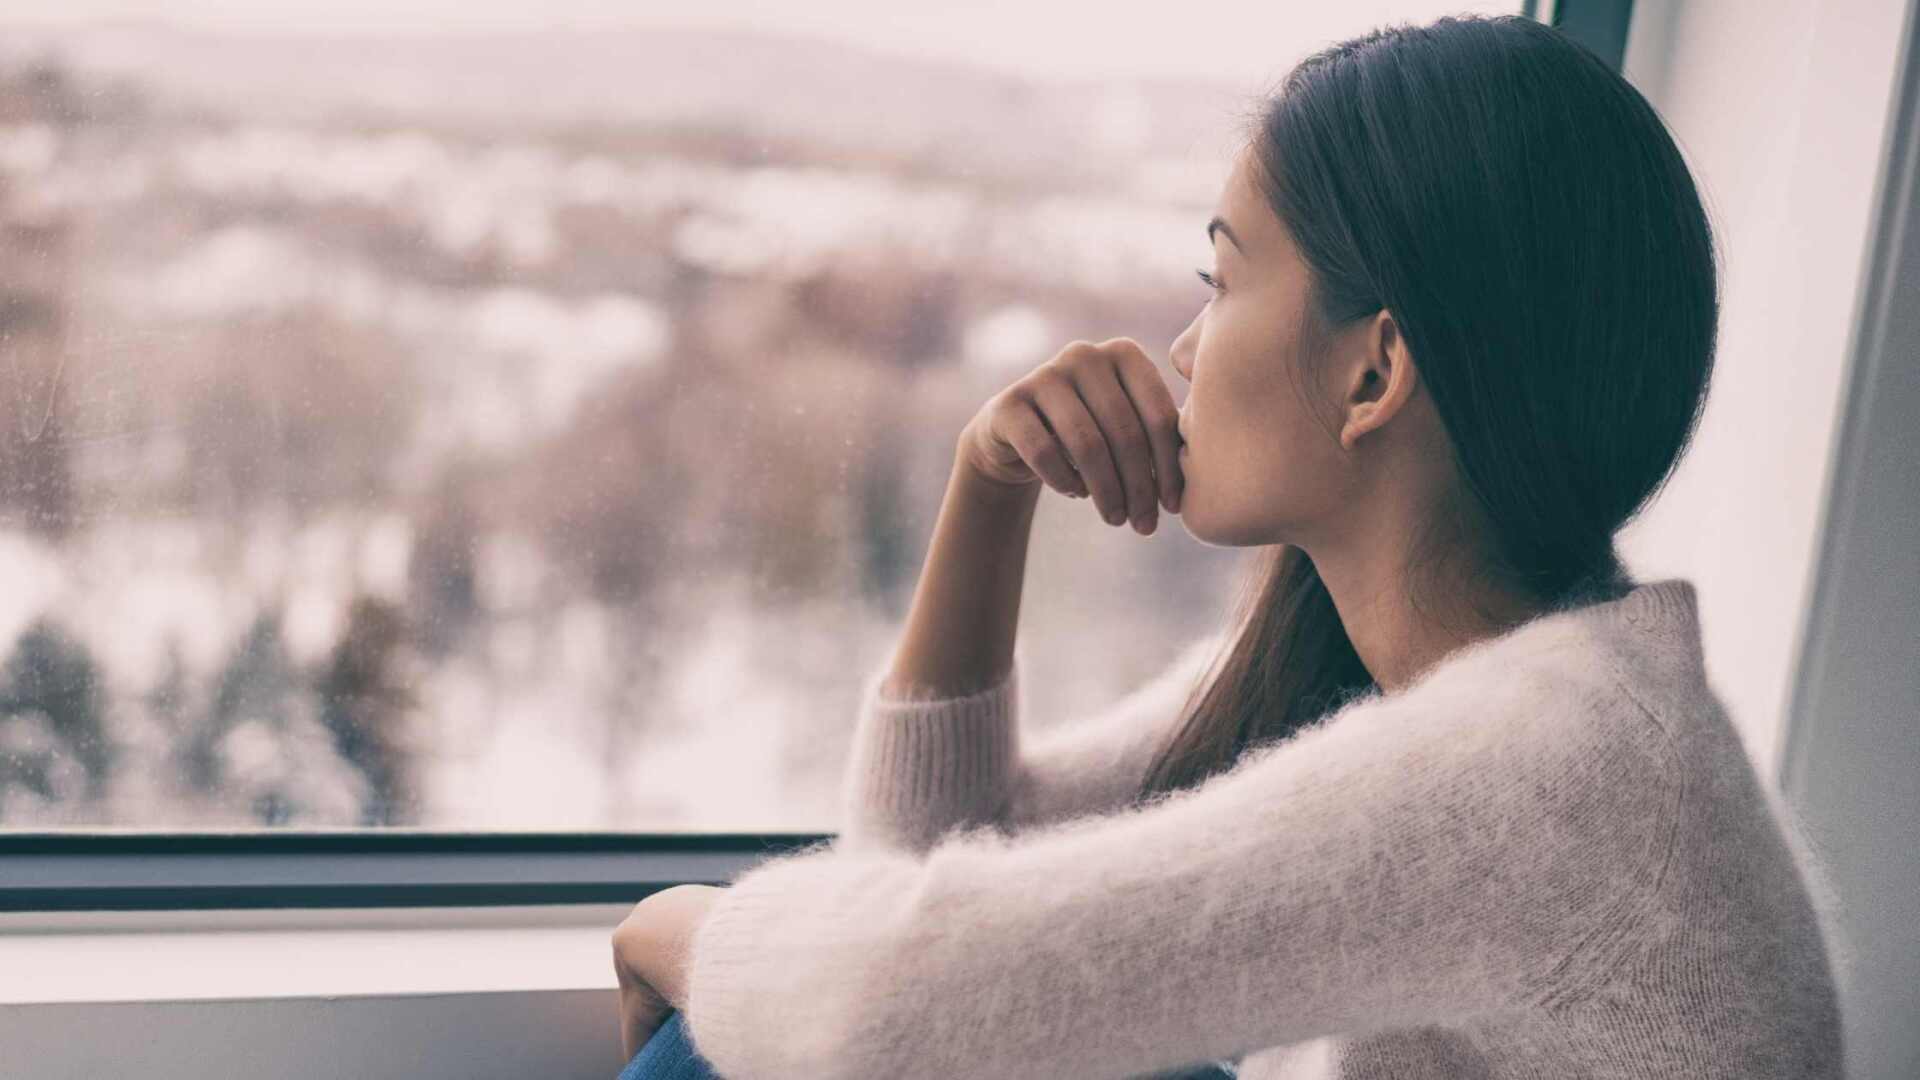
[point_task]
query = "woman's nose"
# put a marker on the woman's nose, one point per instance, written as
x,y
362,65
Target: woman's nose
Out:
x,y
1182,352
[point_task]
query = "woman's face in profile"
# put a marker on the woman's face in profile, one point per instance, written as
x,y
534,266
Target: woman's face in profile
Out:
x,y
1260,466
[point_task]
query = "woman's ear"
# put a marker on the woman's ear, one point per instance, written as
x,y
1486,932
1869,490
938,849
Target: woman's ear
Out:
x,y
1383,378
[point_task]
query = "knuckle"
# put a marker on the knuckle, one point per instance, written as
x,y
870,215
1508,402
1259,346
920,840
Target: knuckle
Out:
x,y
1127,350
1080,356
1075,352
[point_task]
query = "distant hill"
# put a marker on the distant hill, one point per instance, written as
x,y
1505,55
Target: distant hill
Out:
x,y
786,86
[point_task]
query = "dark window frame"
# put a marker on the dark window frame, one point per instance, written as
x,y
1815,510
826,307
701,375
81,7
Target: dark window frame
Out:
x,y
1600,25
80,871
72,870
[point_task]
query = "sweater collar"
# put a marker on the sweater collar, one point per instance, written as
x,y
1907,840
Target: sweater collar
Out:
x,y
1660,620
1666,608
1655,625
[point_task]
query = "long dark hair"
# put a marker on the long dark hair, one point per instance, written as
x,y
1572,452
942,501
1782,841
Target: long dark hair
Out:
x,y
1525,215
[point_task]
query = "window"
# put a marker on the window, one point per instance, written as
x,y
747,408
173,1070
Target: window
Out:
x,y
462,418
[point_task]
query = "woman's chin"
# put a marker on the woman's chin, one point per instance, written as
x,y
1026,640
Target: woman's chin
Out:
x,y
1185,513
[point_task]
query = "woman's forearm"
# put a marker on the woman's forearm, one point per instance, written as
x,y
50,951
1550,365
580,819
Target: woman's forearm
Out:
x,y
960,630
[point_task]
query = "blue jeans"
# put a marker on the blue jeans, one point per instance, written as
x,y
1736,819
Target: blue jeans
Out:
x,y
668,1055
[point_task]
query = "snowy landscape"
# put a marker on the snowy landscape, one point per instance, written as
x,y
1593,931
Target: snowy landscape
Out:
x,y
404,435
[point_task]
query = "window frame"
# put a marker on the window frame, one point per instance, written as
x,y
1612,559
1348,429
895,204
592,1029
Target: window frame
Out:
x,y
111,871
107,870
1600,25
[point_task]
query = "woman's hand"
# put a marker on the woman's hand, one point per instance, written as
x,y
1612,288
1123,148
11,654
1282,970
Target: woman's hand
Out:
x,y
1094,419
652,947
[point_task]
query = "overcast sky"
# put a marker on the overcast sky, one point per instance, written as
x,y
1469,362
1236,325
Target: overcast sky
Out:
x,y
1237,42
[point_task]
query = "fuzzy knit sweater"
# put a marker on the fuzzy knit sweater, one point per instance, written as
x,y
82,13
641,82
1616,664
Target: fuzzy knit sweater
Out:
x,y
1549,856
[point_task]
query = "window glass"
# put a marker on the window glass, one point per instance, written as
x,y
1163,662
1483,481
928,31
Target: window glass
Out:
x,y
498,415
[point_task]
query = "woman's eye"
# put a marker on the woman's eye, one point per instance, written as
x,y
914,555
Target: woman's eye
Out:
x,y
1209,279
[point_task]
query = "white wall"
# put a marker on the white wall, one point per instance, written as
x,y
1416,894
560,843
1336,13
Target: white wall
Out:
x,y
1780,108
1849,756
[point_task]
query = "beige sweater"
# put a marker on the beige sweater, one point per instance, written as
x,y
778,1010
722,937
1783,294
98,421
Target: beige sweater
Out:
x,y
1548,857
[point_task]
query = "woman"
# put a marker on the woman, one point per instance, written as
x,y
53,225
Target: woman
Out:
x,y
1458,801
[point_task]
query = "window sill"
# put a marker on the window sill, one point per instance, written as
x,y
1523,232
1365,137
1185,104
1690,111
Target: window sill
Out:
x,y
425,993
71,957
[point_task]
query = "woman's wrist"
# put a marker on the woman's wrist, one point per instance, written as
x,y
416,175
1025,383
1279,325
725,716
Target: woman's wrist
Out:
x,y
979,482
972,482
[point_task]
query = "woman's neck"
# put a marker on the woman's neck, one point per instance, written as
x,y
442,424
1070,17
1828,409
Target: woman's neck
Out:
x,y
1397,641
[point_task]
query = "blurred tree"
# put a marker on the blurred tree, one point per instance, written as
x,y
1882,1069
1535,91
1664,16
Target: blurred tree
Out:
x,y
605,494
168,711
51,684
366,703
442,579
260,753
254,682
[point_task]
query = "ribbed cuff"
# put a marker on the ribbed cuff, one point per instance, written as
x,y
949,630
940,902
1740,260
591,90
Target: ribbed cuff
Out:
x,y
922,765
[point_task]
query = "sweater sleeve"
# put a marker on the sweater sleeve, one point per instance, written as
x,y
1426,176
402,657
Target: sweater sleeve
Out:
x,y
923,765
1412,860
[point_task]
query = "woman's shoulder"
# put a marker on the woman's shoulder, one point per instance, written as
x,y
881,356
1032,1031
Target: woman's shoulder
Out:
x,y
1548,729
1632,669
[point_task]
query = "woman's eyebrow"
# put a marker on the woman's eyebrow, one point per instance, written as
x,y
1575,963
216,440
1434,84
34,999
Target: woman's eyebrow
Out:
x,y
1220,224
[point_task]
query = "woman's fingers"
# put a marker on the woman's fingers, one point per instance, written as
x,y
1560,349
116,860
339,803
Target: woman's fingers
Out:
x,y
1022,426
1094,421
1158,415
1067,416
642,1008
642,1012
1099,387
